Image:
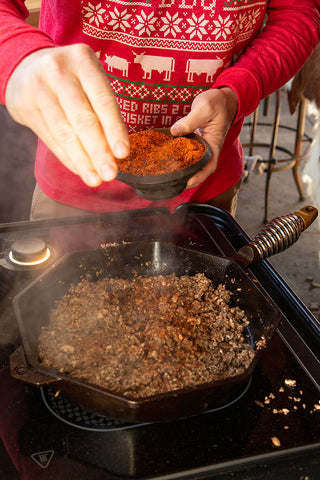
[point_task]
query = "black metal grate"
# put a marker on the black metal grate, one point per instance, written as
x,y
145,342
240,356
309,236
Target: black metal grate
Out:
x,y
77,416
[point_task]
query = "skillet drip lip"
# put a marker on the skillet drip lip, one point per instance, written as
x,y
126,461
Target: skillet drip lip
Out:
x,y
77,416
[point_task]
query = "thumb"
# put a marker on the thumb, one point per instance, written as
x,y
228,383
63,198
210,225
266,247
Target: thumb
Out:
x,y
188,124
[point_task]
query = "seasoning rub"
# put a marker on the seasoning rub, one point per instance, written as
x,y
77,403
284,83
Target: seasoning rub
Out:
x,y
156,153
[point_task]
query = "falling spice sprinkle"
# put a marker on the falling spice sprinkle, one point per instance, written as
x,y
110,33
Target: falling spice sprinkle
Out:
x,y
290,383
276,442
157,153
284,411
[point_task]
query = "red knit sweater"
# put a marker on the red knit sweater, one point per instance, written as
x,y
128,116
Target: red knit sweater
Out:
x,y
158,55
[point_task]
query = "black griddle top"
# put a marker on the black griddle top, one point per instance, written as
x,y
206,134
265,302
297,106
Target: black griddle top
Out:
x,y
270,432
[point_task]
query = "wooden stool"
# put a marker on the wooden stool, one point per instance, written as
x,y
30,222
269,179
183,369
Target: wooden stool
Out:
x,y
292,157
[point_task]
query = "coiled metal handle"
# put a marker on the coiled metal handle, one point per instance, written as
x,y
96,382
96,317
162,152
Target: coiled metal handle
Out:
x,y
276,236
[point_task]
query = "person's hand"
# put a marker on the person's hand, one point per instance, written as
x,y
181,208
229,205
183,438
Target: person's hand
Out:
x,y
211,114
63,95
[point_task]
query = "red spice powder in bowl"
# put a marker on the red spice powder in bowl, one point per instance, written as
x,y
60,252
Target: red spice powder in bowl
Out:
x,y
160,165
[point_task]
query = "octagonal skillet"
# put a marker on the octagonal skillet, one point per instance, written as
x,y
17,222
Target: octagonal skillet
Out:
x,y
33,305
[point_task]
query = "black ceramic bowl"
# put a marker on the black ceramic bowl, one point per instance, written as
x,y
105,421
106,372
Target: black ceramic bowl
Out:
x,y
168,185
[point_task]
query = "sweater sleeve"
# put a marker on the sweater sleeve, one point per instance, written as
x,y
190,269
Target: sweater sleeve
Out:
x,y
17,39
290,35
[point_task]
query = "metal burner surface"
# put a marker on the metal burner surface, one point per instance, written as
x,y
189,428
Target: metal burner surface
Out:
x,y
77,416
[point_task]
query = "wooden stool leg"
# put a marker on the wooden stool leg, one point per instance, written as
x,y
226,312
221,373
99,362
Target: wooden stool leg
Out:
x,y
298,147
266,193
253,130
271,159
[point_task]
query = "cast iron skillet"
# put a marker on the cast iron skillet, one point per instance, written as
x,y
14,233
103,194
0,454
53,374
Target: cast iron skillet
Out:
x,y
33,305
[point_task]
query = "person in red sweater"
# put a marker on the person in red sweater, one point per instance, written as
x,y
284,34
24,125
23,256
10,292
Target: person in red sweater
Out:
x,y
96,71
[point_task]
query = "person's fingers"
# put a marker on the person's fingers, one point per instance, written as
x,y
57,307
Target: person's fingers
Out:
x,y
211,115
64,96
201,176
87,132
215,137
211,132
78,108
93,112
49,122
105,105
193,121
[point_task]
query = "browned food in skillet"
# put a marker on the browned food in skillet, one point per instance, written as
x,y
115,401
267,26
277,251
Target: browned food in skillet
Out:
x,y
147,335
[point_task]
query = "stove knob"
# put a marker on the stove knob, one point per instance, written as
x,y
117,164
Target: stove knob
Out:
x,y
29,251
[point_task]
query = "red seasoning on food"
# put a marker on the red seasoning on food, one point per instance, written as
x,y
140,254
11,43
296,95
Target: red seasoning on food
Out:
x,y
157,153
